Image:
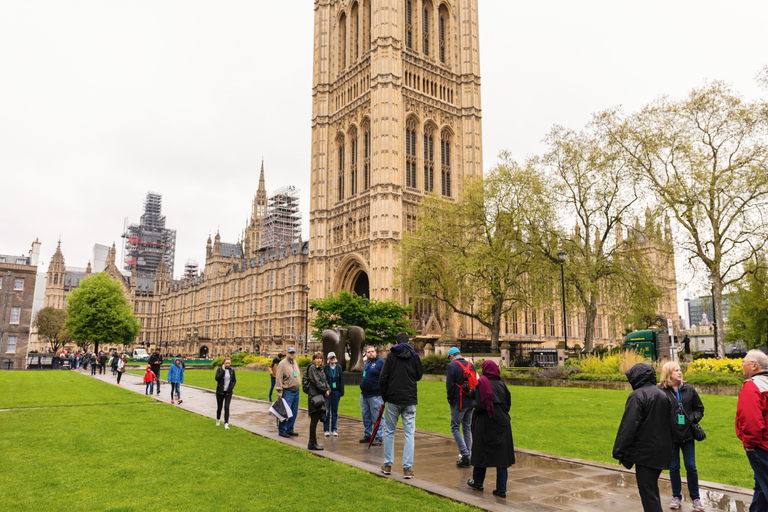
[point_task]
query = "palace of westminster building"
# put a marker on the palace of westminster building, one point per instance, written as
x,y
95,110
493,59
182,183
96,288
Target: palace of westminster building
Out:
x,y
396,114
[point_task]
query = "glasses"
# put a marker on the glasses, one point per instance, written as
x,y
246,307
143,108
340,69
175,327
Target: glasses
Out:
x,y
747,362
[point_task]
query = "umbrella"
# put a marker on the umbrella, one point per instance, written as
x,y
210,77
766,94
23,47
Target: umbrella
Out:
x,y
376,425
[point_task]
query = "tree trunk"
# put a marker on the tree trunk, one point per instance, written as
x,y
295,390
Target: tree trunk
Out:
x,y
496,323
589,328
717,296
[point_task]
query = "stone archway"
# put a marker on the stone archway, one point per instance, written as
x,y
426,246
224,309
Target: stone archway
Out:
x,y
203,351
352,276
362,287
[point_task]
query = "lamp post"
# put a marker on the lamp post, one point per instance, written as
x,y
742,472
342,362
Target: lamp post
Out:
x,y
711,278
472,323
162,315
306,313
561,256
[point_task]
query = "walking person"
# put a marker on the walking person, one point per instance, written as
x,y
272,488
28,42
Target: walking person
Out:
x,y
370,396
687,410
273,371
149,380
175,378
460,378
318,390
335,379
397,382
113,363
102,363
225,383
644,438
155,362
751,424
493,446
94,363
287,383
120,368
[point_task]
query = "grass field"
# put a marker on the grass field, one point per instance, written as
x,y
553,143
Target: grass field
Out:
x,y
73,443
579,423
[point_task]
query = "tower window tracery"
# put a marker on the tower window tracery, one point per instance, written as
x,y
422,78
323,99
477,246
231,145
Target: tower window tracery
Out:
x,y
410,153
366,156
429,159
427,8
353,161
445,163
341,167
408,24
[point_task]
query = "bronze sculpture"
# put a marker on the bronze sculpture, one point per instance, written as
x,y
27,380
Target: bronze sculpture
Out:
x,y
335,341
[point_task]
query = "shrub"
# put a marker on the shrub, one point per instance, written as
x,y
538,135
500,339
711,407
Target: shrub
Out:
x,y
714,378
303,361
435,364
556,373
241,359
726,366
598,376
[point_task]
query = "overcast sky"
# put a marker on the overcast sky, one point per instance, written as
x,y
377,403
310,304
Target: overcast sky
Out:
x,y
102,101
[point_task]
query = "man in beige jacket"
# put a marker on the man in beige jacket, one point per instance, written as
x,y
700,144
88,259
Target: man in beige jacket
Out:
x,y
287,384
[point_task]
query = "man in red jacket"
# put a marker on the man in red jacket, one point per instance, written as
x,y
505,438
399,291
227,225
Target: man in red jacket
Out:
x,y
752,423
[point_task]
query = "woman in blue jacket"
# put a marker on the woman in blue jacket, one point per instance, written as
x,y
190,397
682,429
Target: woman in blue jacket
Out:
x,y
334,376
175,378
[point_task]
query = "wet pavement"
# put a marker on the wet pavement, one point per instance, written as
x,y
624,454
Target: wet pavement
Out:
x,y
538,482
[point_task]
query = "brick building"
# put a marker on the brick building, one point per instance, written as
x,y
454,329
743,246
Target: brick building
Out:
x,y
17,294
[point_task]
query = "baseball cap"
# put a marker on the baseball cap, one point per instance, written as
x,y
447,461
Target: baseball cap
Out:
x,y
291,349
331,355
453,350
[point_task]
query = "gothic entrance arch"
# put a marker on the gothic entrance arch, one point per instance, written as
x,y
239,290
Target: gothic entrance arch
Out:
x,y
203,351
352,276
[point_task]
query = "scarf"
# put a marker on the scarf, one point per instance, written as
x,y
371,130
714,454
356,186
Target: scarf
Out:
x,y
490,372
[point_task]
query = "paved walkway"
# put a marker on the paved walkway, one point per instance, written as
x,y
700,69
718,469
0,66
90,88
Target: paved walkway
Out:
x,y
537,482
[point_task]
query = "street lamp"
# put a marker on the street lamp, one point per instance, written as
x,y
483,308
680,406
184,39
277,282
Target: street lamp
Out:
x,y
711,278
561,256
472,323
306,313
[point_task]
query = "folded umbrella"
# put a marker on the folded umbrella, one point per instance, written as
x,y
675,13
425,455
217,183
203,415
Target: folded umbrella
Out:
x,y
376,425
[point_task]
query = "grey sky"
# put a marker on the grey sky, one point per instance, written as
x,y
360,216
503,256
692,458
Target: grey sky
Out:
x,y
101,101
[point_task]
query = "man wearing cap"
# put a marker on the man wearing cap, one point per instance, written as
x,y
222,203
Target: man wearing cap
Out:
x,y
287,384
335,379
370,396
399,376
457,388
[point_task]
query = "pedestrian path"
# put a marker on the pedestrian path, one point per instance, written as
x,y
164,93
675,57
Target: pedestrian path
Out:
x,y
538,482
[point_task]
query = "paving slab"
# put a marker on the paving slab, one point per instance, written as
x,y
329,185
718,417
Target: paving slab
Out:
x,y
538,482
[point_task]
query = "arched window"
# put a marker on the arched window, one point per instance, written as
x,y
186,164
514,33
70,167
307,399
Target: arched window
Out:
x,y
429,159
367,25
410,153
353,161
408,24
445,163
427,31
342,42
366,156
444,33
340,144
354,26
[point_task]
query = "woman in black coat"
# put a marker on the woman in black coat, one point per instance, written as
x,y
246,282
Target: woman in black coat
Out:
x,y
318,392
225,383
492,445
687,410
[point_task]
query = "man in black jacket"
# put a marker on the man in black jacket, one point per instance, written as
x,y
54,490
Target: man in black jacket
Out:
x,y
397,383
155,361
645,434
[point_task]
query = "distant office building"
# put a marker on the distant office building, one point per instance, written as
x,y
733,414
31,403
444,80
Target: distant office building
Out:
x,y
18,275
99,260
149,241
282,225
700,310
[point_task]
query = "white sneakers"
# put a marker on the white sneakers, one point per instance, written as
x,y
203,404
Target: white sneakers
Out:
x,y
218,422
327,433
335,434
226,426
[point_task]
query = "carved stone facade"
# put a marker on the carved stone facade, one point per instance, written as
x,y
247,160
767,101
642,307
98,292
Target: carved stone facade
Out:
x,y
395,115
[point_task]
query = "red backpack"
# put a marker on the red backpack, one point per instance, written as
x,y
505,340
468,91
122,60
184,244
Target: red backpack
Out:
x,y
470,377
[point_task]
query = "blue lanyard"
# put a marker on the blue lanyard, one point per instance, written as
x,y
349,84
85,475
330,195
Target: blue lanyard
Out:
x,y
679,400
333,372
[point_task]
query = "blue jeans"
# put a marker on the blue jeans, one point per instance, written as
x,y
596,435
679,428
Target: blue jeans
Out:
x,y
177,387
333,410
689,459
462,420
369,406
394,411
271,388
149,386
758,459
292,398
478,475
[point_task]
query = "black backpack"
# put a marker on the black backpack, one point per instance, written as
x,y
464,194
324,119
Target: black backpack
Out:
x,y
305,381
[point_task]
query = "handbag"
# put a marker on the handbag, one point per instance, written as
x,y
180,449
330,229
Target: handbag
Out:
x,y
698,432
318,400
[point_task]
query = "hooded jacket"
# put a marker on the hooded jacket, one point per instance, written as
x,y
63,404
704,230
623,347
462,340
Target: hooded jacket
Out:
x,y
402,370
369,386
752,412
645,432
149,375
176,373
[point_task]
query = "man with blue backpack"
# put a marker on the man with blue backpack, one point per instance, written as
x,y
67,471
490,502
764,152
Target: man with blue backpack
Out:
x,y
459,380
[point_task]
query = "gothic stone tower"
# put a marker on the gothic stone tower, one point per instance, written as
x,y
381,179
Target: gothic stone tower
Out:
x,y
395,115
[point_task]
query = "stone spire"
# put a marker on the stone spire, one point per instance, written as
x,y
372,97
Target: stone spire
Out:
x,y
208,248
111,256
88,269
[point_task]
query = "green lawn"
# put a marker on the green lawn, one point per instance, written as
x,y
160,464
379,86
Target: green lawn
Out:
x,y
574,422
88,445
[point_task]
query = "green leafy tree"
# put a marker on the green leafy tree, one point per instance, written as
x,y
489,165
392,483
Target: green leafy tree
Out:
x,y
748,316
481,247
381,320
100,313
50,327
598,192
705,158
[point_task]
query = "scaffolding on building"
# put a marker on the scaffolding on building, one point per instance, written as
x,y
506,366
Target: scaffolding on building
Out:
x,y
282,225
190,269
147,243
